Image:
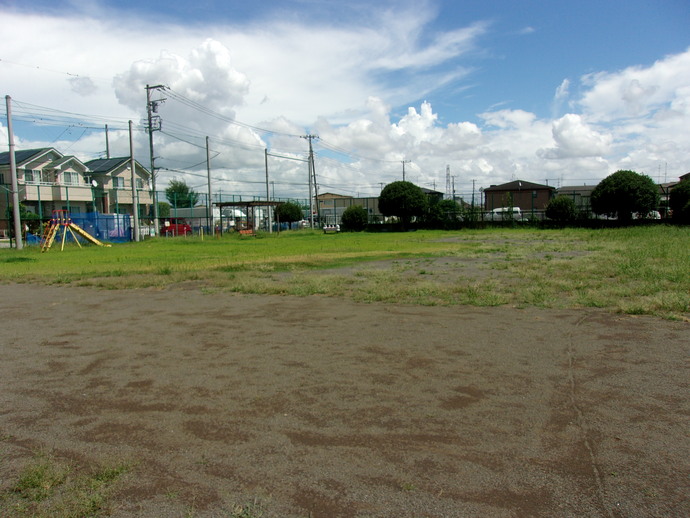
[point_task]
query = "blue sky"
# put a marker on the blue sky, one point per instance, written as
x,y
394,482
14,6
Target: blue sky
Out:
x,y
565,92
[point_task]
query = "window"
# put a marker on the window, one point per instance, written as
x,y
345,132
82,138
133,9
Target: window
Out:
x,y
32,176
140,183
118,182
70,178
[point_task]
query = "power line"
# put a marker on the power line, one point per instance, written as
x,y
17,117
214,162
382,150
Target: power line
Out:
x,y
207,111
46,114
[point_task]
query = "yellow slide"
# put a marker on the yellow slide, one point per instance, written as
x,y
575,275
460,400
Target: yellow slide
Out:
x,y
52,231
83,233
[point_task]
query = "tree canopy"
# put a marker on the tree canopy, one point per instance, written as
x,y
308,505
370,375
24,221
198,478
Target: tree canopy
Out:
x,y
679,202
443,214
31,219
625,192
404,200
289,212
561,209
355,218
163,209
180,195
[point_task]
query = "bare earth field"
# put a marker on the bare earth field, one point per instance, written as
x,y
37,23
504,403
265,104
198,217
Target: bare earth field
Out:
x,y
325,408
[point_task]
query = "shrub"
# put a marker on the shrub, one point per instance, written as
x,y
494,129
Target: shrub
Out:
x,y
444,214
355,218
561,209
288,212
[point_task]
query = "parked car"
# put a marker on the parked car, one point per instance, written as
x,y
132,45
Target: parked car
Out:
x,y
652,214
176,227
504,214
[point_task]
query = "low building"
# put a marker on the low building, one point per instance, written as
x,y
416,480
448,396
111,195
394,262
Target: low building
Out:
x,y
331,207
580,194
528,196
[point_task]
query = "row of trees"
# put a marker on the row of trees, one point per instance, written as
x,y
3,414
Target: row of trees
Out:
x,y
623,194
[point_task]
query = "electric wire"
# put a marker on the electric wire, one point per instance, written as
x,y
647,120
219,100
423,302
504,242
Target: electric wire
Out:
x,y
41,115
345,152
203,109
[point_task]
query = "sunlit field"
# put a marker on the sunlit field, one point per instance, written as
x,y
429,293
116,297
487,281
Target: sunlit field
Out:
x,y
637,270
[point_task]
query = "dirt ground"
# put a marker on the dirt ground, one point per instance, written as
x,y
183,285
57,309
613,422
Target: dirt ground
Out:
x,y
324,408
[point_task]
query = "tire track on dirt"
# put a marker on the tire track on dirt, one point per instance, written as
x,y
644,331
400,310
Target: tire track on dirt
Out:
x,y
581,422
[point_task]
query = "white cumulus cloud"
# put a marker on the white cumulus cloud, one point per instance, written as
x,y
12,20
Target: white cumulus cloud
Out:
x,y
575,139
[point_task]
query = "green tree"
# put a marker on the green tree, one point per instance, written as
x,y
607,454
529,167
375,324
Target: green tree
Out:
x,y
355,218
679,202
561,209
288,212
404,200
180,195
625,192
443,214
30,219
163,209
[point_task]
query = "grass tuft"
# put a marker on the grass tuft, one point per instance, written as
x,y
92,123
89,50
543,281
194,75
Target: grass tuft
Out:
x,y
50,487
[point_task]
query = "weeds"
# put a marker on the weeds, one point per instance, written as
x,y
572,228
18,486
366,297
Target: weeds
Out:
x,y
252,509
50,487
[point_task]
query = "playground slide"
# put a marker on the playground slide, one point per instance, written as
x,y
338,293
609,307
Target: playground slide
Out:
x,y
83,233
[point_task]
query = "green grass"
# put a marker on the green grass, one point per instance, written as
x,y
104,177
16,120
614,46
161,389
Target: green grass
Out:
x,y
48,487
636,270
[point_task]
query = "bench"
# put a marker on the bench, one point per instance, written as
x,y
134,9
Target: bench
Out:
x,y
247,232
331,229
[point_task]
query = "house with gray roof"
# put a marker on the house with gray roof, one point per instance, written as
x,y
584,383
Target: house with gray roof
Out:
x,y
48,180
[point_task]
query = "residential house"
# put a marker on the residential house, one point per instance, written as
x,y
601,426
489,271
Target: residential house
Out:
x,y
111,179
47,180
527,196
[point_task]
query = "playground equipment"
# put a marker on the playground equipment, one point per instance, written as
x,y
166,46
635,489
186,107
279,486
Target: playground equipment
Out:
x,y
61,218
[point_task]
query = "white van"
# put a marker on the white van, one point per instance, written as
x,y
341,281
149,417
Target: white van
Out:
x,y
504,214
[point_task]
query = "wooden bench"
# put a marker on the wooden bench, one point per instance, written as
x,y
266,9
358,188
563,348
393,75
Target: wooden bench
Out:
x,y
247,232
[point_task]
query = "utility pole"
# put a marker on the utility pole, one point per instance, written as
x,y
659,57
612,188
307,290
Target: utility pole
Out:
x,y
473,194
107,143
151,108
135,205
403,163
312,178
209,211
448,192
13,174
269,212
